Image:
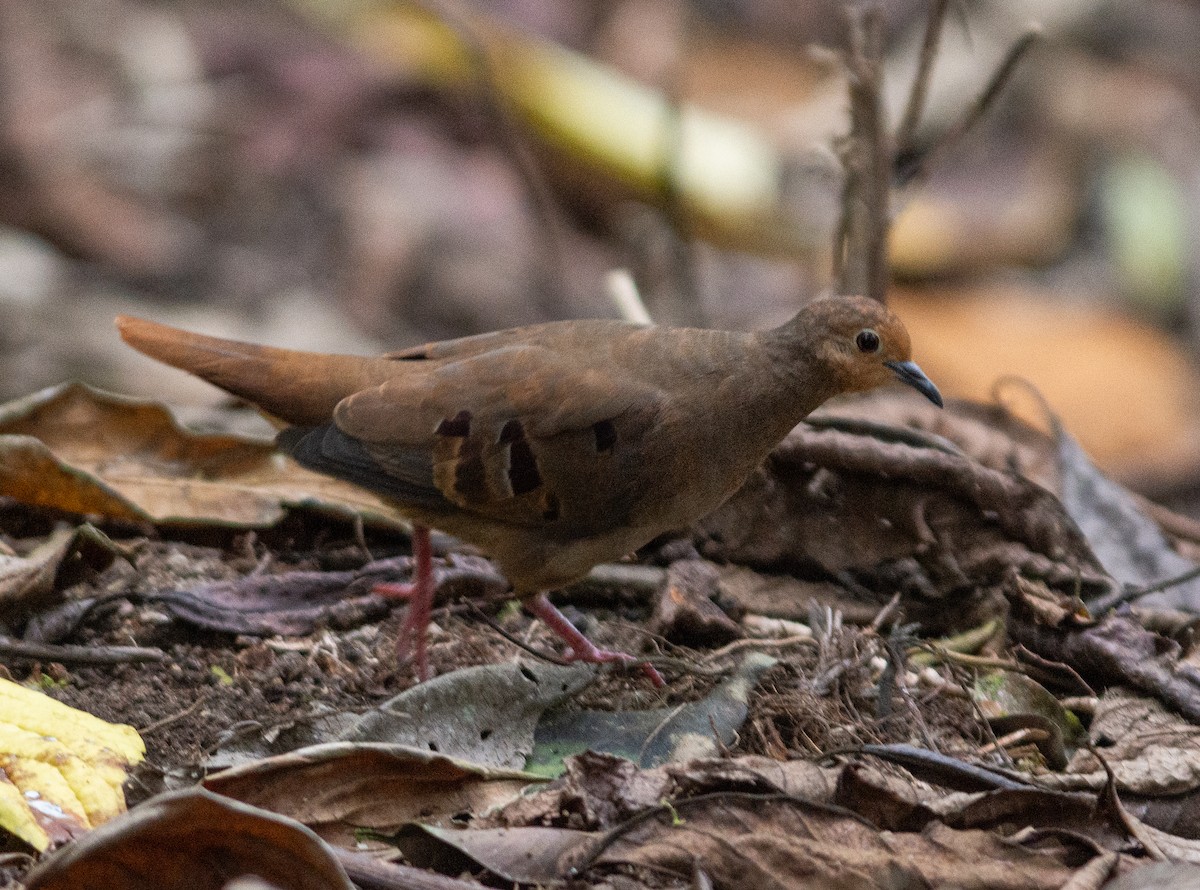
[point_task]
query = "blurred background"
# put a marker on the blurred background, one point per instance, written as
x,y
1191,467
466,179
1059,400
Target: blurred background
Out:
x,y
352,176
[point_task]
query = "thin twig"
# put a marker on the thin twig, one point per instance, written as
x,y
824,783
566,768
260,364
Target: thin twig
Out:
x,y
921,79
918,171
512,638
885,615
509,139
1028,735
1131,824
67,654
756,644
174,718
1130,592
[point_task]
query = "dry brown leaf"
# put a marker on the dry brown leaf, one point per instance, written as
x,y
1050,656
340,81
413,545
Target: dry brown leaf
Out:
x,y
30,584
191,840
986,431
770,842
486,714
896,801
1150,750
78,449
1132,538
338,788
599,791
1116,650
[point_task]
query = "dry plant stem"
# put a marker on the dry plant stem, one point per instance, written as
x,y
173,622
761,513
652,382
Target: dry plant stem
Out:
x,y
624,293
687,309
756,645
866,155
886,614
920,88
897,660
1019,737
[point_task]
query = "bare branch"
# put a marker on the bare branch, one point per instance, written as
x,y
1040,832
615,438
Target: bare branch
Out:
x,y
866,156
921,79
919,171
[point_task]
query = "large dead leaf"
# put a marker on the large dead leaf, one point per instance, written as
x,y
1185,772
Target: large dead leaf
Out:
x,y
649,738
770,842
600,791
1150,750
485,714
341,788
192,840
1135,541
1133,548
766,841
78,449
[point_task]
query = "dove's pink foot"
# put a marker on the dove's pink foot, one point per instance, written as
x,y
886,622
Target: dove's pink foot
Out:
x,y
581,648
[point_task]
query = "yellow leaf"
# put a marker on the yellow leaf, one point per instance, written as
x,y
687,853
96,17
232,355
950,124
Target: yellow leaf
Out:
x,y
61,769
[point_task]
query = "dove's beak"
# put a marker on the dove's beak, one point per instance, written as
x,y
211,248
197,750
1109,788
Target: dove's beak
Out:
x,y
911,373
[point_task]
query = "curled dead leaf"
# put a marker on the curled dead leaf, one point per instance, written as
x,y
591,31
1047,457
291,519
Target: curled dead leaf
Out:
x,y
82,450
192,840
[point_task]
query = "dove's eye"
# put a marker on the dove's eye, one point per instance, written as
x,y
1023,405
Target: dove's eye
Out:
x,y
867,341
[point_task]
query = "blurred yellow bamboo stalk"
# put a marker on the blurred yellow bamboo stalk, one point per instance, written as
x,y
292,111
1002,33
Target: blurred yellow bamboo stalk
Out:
x,y
720,175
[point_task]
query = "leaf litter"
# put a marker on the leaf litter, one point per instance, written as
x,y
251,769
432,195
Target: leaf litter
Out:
x,y
271,657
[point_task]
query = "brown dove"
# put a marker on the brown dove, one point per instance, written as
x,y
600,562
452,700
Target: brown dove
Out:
x,y
556,446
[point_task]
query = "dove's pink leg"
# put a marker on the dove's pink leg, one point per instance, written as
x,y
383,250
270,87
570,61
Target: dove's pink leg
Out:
x,y
414,634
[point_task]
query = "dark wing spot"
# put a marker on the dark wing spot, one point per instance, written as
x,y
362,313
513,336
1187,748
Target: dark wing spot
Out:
x,y
550,508
605,432
522,468
459,425
511,432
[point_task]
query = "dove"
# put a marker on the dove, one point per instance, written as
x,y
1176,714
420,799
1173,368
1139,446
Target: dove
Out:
x,y
557,446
